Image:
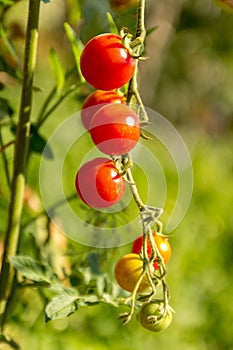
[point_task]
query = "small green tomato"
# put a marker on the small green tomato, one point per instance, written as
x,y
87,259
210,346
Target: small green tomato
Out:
x,y
154,317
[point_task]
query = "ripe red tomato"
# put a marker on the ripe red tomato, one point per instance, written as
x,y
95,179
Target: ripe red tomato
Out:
x,y
99,184
95,101
162,244
115,129
105,63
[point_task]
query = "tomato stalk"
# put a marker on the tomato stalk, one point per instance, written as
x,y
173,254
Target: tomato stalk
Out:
x,y
149,215
20,160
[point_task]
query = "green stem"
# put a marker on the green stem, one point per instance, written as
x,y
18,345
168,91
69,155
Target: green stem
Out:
x,y
141,31
20,159
41,115
56,104
5,163
140,37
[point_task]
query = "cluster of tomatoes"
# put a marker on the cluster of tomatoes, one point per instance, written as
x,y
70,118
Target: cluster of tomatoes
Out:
x,y
130,267
128,271
113,126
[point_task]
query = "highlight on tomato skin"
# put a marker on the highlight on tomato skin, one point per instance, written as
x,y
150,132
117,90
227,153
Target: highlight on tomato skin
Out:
x,y
115,129
163,246
99,184
95,101
105,63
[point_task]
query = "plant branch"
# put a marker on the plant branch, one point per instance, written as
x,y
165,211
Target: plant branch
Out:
x,y
20,159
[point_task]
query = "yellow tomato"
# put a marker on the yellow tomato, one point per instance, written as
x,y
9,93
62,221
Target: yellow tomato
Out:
x,y
128,270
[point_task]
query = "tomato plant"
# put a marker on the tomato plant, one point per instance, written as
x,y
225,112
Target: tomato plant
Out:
x,y
95,101
154,316
128,270
118,4
99,184
162,244
105,63
115,129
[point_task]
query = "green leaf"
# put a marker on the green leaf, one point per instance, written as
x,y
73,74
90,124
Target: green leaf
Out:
x,y
5,108
57,69
89,300
61,305
38,144
77,47
101,284
6,2
151,30
112,24
30,268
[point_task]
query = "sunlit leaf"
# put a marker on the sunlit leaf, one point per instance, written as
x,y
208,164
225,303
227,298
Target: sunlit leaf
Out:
x,y
77,47
57,69
112,24
61,305
30,268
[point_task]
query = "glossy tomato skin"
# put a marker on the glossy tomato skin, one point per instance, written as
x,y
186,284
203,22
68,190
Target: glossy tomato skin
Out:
x,y
163,246
128,270
105,63
115,129
95,101
99,184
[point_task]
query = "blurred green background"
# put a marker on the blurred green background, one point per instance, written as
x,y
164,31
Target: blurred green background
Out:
x,y
189,80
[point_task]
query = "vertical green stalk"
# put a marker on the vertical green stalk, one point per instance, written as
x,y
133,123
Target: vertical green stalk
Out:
x,y
20,158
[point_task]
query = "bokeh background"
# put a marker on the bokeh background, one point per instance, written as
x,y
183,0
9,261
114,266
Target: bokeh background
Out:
x,y
188,78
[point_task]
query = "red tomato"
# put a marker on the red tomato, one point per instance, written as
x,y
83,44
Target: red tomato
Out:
x,y
115,129
105,63
95,101
162,244
99,184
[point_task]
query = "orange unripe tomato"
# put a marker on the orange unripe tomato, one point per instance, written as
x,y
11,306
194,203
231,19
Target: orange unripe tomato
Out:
x,y
162,244
128,270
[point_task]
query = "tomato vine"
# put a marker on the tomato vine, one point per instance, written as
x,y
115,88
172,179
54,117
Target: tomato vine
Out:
x,y
127,118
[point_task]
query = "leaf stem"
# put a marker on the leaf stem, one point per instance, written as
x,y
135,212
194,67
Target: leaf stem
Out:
x,y
20,159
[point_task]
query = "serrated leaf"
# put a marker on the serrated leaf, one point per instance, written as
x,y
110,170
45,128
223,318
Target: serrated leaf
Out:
x,y
77,47
112,24
30,268
58,72
89,300
61,306
101,284
108,299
